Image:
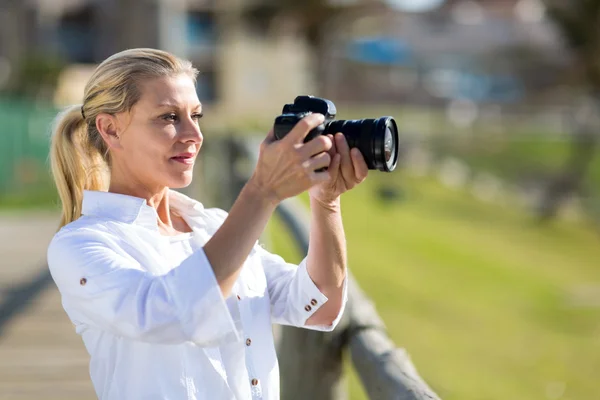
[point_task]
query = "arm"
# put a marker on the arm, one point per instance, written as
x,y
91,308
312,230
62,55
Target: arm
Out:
x,y
323,272
327,259
327,256
102,287
293,295
229,247
312,300
285,168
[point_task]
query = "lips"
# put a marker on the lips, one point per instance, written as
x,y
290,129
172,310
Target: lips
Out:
x,y
184,158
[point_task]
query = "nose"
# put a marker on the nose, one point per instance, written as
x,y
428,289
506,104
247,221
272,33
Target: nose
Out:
x,y
190,132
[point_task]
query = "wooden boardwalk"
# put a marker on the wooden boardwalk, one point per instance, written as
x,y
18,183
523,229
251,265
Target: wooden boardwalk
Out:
x,y
41,356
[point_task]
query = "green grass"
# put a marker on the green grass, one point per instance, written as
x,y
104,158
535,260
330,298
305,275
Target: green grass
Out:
x,y
478,294
515,156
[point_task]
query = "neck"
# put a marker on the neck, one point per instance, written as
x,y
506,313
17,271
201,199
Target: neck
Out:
x,y
157,198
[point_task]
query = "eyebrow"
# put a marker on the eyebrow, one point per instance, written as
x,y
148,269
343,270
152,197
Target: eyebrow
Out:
x,y
173,105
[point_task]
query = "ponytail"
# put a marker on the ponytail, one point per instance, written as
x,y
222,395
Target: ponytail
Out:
x,y
77,162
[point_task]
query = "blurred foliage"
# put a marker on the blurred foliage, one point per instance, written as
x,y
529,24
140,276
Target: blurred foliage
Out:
x,y
579,23
535,68
43,197
24,143
36,76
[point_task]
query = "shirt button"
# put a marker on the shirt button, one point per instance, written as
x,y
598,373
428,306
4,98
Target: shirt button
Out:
x,y
82,281
313,302
238,296
254,382
308,308
248,342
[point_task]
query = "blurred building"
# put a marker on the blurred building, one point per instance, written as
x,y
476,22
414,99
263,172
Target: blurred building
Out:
x,y
243,66
495,51
252,60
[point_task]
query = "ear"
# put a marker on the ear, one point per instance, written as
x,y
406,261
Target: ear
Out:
x,y
108,126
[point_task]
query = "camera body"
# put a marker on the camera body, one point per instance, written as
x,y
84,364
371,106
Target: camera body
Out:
x,y
303,106
377,139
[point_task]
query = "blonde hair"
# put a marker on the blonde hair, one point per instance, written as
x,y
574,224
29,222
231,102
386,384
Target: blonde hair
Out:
x,y
79,157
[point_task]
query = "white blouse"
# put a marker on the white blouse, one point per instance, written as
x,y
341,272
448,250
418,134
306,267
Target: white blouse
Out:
x,y
152,315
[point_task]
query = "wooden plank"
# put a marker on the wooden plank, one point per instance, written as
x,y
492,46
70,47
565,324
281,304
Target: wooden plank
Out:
x,y
41,356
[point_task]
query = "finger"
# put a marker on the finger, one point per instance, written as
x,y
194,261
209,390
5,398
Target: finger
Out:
x,y
317,145
303,127
320,177
361,169
270,137
268,140
317,162
333,149
334,167
346,167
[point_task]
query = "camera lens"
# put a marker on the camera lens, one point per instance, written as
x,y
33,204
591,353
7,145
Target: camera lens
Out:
x,y
389,147
377,140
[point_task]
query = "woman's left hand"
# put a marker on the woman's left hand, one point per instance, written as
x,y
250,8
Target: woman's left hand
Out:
x,y
346,169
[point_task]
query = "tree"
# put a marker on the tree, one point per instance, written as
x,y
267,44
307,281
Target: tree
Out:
x,y
578,21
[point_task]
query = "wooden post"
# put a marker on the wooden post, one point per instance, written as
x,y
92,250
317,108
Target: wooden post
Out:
x,y
310,365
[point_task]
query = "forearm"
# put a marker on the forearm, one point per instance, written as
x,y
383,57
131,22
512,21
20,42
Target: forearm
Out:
x,y
230,245
327,257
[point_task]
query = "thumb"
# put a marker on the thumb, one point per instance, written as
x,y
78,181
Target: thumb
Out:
x,y
270,137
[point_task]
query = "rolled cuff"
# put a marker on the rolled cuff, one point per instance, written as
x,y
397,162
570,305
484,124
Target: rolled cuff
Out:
x,y
205,318
312,299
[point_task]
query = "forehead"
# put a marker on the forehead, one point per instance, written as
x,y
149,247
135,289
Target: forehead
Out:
x,y
176,91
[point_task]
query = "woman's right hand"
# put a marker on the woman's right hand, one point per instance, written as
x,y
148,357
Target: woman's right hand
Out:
x,y
286,167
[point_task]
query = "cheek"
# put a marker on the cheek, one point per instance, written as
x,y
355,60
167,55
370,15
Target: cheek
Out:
x,y
148,149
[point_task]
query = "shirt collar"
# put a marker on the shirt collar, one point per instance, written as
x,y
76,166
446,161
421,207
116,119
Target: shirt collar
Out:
x,y
135,210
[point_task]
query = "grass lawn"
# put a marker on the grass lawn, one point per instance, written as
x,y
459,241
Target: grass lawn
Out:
x,y
488,304
515,157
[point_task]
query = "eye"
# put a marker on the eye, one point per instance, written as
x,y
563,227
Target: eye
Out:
x,y
170,117
197,116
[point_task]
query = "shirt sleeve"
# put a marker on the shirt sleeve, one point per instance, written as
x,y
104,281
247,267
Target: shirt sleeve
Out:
x,y
293,294
104,288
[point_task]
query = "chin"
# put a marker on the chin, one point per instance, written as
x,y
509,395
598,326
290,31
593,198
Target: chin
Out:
x,y
180,182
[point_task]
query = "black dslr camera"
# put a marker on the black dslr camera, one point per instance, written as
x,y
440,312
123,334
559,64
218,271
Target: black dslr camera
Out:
x,y
377,139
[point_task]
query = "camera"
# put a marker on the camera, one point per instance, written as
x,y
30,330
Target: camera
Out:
x,y
377,139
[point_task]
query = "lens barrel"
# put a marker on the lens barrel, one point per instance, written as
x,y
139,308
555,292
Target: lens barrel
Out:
x,y
377,140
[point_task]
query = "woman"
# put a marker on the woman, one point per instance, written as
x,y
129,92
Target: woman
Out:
x,y
172,300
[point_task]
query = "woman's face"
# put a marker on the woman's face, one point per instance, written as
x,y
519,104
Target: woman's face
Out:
x,y
160,137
